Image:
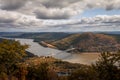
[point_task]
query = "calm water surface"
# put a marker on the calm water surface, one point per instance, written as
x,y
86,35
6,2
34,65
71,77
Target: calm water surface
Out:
x,y
83,58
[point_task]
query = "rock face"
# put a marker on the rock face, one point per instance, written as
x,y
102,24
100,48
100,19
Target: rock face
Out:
x,y
88,42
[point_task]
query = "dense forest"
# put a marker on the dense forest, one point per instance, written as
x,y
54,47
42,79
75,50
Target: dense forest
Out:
x,y
16,65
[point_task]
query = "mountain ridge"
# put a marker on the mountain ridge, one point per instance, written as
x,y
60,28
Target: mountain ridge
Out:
x,y
89,42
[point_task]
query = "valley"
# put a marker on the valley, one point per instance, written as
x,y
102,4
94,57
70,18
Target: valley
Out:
x,y
72,47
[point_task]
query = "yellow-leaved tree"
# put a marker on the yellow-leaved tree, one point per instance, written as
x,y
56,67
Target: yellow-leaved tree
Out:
x,y
11,52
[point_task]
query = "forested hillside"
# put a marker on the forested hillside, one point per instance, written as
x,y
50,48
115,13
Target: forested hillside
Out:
x,y
89,42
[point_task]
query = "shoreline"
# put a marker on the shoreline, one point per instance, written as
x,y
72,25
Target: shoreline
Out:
x,y
37,49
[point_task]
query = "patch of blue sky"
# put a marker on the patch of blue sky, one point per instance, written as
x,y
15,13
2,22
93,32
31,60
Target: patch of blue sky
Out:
x,y
95,12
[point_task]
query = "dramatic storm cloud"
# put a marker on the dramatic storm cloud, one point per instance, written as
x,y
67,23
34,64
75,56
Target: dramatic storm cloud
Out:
x,y
57,15
53,13
12,4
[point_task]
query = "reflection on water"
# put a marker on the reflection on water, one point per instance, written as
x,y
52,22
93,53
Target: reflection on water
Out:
x,y
83,58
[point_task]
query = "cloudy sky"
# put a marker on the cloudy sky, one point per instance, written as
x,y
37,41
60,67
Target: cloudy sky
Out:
x,y
59,15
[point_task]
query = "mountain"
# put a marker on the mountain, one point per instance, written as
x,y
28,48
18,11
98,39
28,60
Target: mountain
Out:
x,y
96,41
88,42
37,36
8,34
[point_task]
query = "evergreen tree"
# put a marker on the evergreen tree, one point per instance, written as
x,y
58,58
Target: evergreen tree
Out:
x,y
108,66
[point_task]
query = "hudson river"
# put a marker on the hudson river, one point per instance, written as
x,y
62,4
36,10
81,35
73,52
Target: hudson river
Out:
x,y
83,58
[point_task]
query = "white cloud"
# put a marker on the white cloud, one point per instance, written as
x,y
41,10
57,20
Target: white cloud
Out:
x,y
15,20
56,14
57,9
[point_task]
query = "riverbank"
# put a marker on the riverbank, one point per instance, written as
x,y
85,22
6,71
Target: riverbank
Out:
x,y
84,58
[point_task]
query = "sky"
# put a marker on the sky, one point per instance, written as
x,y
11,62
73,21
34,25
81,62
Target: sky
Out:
x,y
59,15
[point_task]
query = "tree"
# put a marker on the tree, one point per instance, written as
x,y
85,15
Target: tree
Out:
x,y
39,72
108,67
84,73
11,52
21,72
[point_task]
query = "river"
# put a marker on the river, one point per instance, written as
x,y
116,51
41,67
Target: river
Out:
x,y
83,58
